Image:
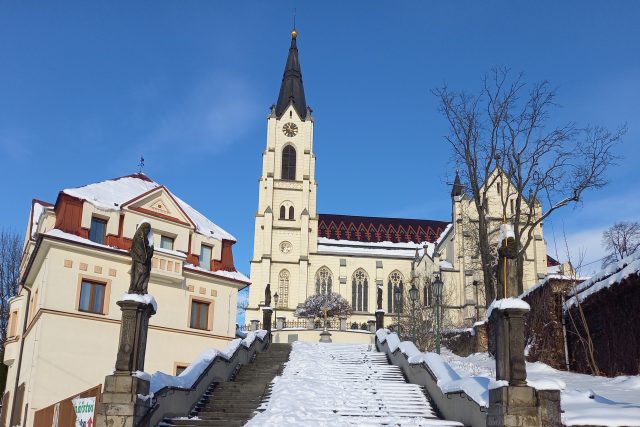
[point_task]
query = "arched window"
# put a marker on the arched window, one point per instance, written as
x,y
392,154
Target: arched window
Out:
x,y
290,212
323,281
289,163
283,288
360,290
396,280
282,212
428,295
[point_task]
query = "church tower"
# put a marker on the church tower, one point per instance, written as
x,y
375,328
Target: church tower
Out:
x,y
286,220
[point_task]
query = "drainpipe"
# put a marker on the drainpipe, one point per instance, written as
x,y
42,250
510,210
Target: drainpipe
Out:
x,y
24,329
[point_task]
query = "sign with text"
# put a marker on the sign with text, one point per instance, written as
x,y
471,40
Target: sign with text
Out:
x,y
84,408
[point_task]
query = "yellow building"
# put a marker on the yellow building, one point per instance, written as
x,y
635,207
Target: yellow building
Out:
x,y
301,252
64,324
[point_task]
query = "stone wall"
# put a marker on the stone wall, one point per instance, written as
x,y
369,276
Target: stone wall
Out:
x,y
544,338
613,322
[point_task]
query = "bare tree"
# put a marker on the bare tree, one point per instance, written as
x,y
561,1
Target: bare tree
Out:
x,y
505,128
10,252
620,240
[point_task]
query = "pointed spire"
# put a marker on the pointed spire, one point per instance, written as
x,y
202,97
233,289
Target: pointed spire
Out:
x,y
458,189
291,88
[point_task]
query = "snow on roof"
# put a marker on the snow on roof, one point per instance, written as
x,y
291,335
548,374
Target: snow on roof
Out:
x,y
386,249
609,276
36,215
504,303
444,234
72,237
233,275
113,193
546,280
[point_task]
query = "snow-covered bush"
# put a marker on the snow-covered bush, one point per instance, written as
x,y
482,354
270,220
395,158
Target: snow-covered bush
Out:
x,y
315,305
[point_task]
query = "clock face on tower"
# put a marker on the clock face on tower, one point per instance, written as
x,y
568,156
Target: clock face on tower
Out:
x,y
290,129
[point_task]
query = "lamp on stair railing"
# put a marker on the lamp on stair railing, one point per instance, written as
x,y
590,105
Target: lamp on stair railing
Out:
x,y
275,309
397,296
437,291
413,296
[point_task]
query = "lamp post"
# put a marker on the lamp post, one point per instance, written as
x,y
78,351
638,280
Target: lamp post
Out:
x,y
275,309
397,296
437,291
413,295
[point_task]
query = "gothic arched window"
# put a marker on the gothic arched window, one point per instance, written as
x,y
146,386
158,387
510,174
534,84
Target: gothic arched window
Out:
x,y
282,212
360,290
290,212
428,295
323,281
283,288
396,280
289,163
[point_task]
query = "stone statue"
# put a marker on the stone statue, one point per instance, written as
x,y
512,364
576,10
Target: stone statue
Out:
x,y
267,295
507,253
141,254
379,295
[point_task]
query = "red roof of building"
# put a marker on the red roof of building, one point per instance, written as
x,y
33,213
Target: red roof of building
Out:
x,y
373,229
552,262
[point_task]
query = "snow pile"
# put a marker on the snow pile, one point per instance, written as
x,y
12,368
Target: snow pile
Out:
x,y
444,234
546,280
504,303
144,299
190,375
611,275
506,232
343,385
585,399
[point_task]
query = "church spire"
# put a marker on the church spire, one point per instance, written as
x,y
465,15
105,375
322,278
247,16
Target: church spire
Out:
x,y
291,88
458,189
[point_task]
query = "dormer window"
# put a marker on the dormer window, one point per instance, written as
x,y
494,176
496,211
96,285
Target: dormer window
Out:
x,y
166,242
206,252
98,230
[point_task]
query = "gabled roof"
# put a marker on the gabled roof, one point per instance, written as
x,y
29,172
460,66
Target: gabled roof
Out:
x,y
291,88
112,194
375,229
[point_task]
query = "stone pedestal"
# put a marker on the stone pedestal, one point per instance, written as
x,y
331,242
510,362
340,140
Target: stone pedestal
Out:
x,y
325,336
371,325
509,341
121,405
279,322
266,318
311,323
254,325
343,323
379,319
513,406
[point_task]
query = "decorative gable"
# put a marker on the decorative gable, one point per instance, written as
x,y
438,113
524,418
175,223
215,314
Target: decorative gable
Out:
x,y
159,203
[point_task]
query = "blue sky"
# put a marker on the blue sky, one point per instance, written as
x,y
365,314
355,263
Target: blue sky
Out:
x,y
87,87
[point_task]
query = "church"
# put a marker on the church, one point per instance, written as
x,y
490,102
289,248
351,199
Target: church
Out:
x,y
301,252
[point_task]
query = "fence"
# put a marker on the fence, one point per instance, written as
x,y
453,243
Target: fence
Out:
x,y
308,324
62,413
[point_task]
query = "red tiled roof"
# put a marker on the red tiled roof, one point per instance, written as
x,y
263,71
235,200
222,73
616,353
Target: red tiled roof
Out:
x,y
552,262
373,229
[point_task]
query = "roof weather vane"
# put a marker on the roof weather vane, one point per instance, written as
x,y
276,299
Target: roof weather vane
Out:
x,y
141,164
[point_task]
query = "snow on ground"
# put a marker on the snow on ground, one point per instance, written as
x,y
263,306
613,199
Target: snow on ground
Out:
x,y
343,385
585,399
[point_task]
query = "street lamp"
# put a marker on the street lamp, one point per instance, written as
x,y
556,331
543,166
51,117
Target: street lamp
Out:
x,y
437,291
413,295
275,309
397,296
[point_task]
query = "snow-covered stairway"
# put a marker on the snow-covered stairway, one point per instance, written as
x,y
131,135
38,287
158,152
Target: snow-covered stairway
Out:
x,y
234,402
343,385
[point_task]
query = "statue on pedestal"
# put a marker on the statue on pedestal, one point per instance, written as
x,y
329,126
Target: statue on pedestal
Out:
x,y
267,295
141,254
379,297
507,272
